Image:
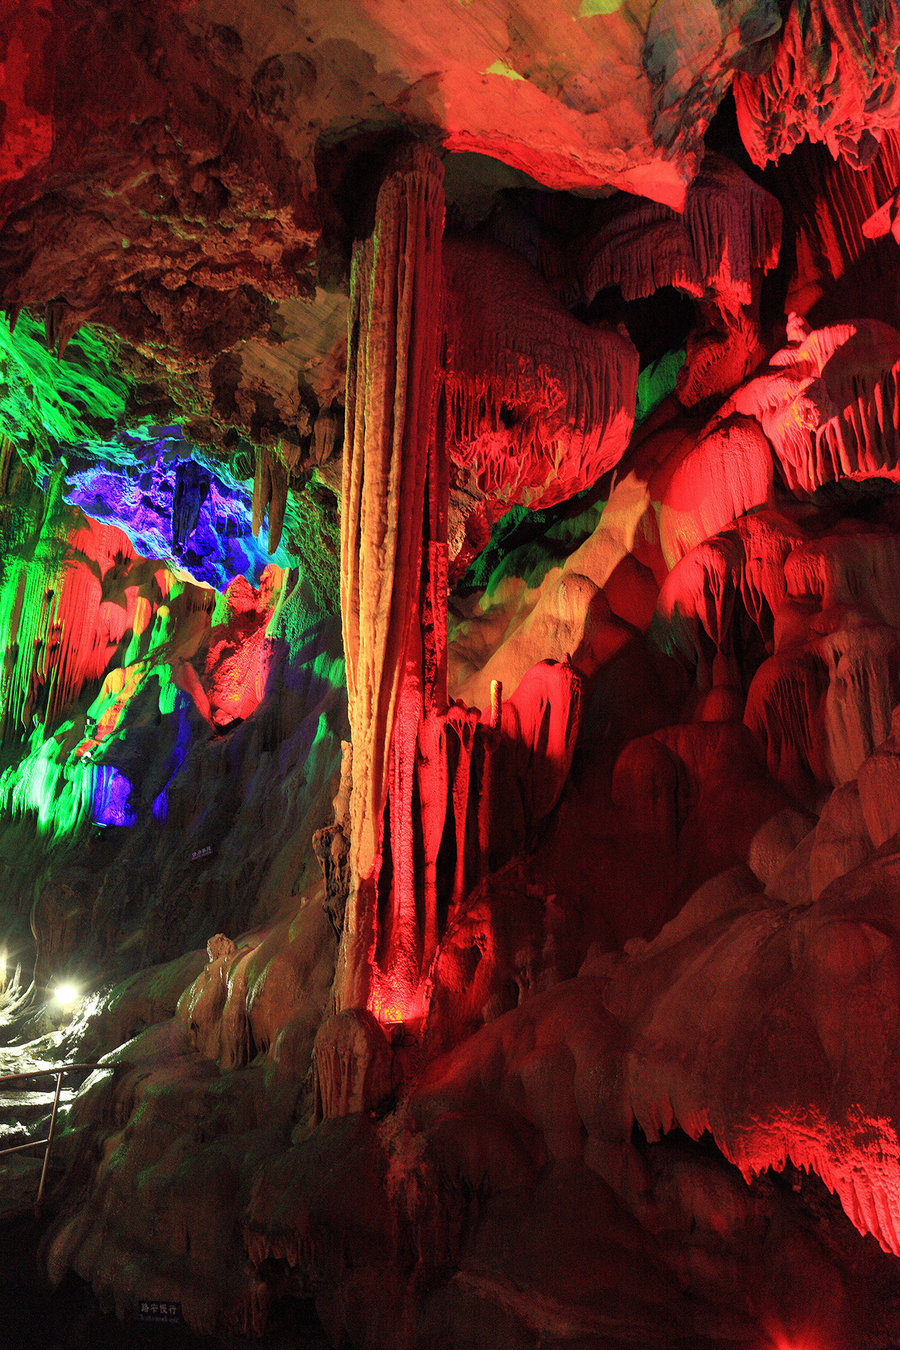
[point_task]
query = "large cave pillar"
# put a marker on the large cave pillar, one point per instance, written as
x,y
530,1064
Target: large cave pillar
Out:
x,y
393,585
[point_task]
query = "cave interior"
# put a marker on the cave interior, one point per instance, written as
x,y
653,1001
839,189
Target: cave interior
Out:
x,y
450,669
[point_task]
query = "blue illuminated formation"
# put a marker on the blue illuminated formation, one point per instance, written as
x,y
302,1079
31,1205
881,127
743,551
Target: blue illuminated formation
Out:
x,y
171,507
110,791
176,757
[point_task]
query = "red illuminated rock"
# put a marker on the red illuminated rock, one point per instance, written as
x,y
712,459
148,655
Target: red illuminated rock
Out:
x,y
716,251
705,486
830,76
538,404
829,403
782,1058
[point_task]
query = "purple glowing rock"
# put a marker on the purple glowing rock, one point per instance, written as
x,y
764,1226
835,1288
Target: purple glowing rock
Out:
x,y
174,508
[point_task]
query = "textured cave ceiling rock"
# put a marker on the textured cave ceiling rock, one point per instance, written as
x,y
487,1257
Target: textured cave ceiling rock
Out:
x,y
168,174
839,216
282,389
578,96
167,207
300,367
716,251
575,96
174,149
832,77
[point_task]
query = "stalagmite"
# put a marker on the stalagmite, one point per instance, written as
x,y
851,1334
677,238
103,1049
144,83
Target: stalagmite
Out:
x,y
351,1065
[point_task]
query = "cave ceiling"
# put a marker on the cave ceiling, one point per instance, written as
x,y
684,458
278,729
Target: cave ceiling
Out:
x,y
190,180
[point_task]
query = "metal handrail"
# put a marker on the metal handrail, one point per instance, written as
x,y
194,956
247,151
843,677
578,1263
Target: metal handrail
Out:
x,y
47,1143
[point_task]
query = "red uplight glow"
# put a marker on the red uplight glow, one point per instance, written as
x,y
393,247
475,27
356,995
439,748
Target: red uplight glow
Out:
x,y
799,1340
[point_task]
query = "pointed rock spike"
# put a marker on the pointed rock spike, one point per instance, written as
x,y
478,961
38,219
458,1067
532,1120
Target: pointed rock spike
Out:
x,y
260,489
68,327
278,489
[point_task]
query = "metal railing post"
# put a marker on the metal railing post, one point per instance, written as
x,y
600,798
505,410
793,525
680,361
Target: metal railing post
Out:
x,y
47,1143
40,1193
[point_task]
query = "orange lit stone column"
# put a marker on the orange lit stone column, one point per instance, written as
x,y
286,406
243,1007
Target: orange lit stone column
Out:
x,y
390,541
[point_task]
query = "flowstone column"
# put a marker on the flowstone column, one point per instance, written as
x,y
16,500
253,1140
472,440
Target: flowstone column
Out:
x,y
393,584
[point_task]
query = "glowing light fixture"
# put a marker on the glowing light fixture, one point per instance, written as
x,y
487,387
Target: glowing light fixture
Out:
x,y
66,996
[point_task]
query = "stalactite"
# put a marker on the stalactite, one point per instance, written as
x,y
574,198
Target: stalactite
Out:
x,y
270,485
325,437
56,631
833,79
642,247
830,403
191,490
735,230
834,212
729,232
716,252
7,452
539,405
743,565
